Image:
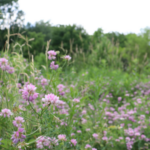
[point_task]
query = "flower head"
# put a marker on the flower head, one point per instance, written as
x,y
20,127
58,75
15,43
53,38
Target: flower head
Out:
x,y
74,142
76,100
50,99
61,89
3,63
10,70
62,137
44,82
18,136
52,54
95,135
18,121
67,57
87,146
53,66
28,93
6,112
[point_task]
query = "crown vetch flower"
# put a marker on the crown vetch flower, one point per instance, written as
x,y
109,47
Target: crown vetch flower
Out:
x,y
18,121
95,135
87,146
42,141
10,70
53,66
6,112
28,93
52,54
74,142
62,137
3,63
50,99
61,89
67,57
18,136
44,82
76,100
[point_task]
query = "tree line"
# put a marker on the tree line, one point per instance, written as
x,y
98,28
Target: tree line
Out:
x,y
129,49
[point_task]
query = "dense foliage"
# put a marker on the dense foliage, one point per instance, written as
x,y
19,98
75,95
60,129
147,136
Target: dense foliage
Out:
x,y
53,109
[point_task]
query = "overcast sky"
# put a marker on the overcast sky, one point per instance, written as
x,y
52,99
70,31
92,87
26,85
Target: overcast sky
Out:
x,y
124,16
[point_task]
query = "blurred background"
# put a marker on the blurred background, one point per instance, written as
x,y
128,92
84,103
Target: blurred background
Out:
x,y
107,34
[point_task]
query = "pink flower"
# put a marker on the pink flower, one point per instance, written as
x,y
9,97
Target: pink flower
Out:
x,y
3,63
83,112
6,112
43,142
72,134
83,120
143,136
139,101
18,136
50,99
119,99
91,106
87,146
94,149
95,136
60,86
74,142
61,89
28,93
53,66
104,138
10,70
52,54
18,121
19,85
79,131
88,129
62,137
76,100
67,57
44,82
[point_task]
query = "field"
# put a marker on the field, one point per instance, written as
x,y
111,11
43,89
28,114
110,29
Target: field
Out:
x,y
65,88
60,108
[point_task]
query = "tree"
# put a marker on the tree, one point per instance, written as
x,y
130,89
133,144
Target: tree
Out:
x,y
117,38
10,18
72,38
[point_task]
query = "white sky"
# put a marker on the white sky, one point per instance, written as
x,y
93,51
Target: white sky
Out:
x,y
124,16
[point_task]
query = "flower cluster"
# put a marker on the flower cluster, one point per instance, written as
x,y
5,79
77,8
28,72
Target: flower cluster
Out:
x,y
6,112
62,137
44,82
53,66
52,99
61,89
28,92
52,54
46,142
73,142
5,66
18,121
18,136
95,136
76,100
67,57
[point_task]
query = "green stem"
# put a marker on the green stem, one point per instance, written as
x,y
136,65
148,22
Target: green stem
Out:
x,y
33,109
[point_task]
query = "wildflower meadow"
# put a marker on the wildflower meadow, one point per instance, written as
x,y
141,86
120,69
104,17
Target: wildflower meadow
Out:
x,y
94,109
